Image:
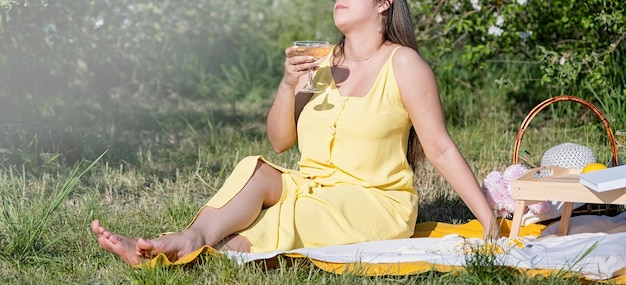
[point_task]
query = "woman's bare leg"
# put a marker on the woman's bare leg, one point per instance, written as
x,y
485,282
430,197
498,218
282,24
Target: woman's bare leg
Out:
x,y
235,243
263,190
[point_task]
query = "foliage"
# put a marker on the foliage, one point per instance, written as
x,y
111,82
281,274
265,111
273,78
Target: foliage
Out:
x,y
67,63
134,46
5,7
572,43
229,51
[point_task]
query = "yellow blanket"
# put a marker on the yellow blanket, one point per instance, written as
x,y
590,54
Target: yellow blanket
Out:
x,y
442,247
472,229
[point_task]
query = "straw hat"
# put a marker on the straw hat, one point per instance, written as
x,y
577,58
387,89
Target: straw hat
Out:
x,y
568,155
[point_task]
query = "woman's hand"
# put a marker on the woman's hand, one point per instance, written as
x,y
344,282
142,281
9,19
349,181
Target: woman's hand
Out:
x,y
296,66
492,232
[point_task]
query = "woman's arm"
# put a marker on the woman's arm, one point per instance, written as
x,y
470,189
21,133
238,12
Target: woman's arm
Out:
x,y
287,105
420,96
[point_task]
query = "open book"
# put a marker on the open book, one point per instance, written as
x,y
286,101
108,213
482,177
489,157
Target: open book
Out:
x,y
606,179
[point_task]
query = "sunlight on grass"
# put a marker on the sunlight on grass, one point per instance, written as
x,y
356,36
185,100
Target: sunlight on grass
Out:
x,y
166,158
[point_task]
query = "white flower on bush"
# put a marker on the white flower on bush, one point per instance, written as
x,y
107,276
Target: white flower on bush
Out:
x,y
456,6
499,20
127,23
475,5
522,2
98,23
562,61
50,28
525,35
495,31
438,18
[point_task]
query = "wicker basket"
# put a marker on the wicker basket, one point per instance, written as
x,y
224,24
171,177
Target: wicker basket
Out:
x,y
587,209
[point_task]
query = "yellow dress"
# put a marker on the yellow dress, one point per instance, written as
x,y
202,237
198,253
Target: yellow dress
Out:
x,y
354,183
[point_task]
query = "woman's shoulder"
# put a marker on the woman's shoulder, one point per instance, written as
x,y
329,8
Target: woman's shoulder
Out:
x,y
408,59
412,72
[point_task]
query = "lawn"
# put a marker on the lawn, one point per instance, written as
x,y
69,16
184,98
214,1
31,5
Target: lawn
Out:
x,y
147,166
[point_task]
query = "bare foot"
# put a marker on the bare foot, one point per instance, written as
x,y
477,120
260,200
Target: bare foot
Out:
x,y
123,247
174,246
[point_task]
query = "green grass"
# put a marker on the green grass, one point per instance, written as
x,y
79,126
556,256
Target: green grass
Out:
x,y
165,158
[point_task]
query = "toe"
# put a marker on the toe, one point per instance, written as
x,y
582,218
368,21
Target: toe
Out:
x,y
96,228
145,245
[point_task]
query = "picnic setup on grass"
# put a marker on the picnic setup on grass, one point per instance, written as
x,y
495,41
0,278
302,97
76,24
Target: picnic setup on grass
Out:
x,y
566,217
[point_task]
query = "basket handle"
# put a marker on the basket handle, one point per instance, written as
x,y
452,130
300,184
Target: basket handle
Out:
x,y
546,103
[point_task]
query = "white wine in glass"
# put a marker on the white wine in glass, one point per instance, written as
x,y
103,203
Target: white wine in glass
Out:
x,y
316,49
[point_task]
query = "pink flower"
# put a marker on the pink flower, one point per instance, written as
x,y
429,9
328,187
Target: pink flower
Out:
x,y
498,195
497,189
539,208
514,171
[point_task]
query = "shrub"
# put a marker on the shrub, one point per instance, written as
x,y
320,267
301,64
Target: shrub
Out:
x,y
574,44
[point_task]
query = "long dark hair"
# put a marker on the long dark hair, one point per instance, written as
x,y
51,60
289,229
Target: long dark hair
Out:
x,y
398,28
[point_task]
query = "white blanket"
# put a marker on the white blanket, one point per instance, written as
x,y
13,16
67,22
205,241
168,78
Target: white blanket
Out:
x,y
596,248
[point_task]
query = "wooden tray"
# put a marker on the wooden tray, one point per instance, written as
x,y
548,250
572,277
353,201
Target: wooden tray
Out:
x,y
560,185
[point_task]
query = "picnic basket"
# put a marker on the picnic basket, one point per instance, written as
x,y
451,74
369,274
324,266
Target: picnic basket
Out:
x,y
589,208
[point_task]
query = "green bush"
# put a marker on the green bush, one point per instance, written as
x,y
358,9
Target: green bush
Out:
x,y
572,44
85,47
195,48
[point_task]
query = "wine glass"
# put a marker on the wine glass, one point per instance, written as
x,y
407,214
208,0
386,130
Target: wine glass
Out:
x,y
316,49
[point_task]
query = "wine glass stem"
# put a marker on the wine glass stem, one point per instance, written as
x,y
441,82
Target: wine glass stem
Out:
x,y
311,77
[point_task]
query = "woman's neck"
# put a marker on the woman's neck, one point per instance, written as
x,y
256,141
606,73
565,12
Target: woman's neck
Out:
x,y
361,50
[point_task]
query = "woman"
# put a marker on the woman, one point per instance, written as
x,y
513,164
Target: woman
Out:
x,y
355,177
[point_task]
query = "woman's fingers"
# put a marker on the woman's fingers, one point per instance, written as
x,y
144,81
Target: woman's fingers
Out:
x,y
291,51
297,65
301,62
